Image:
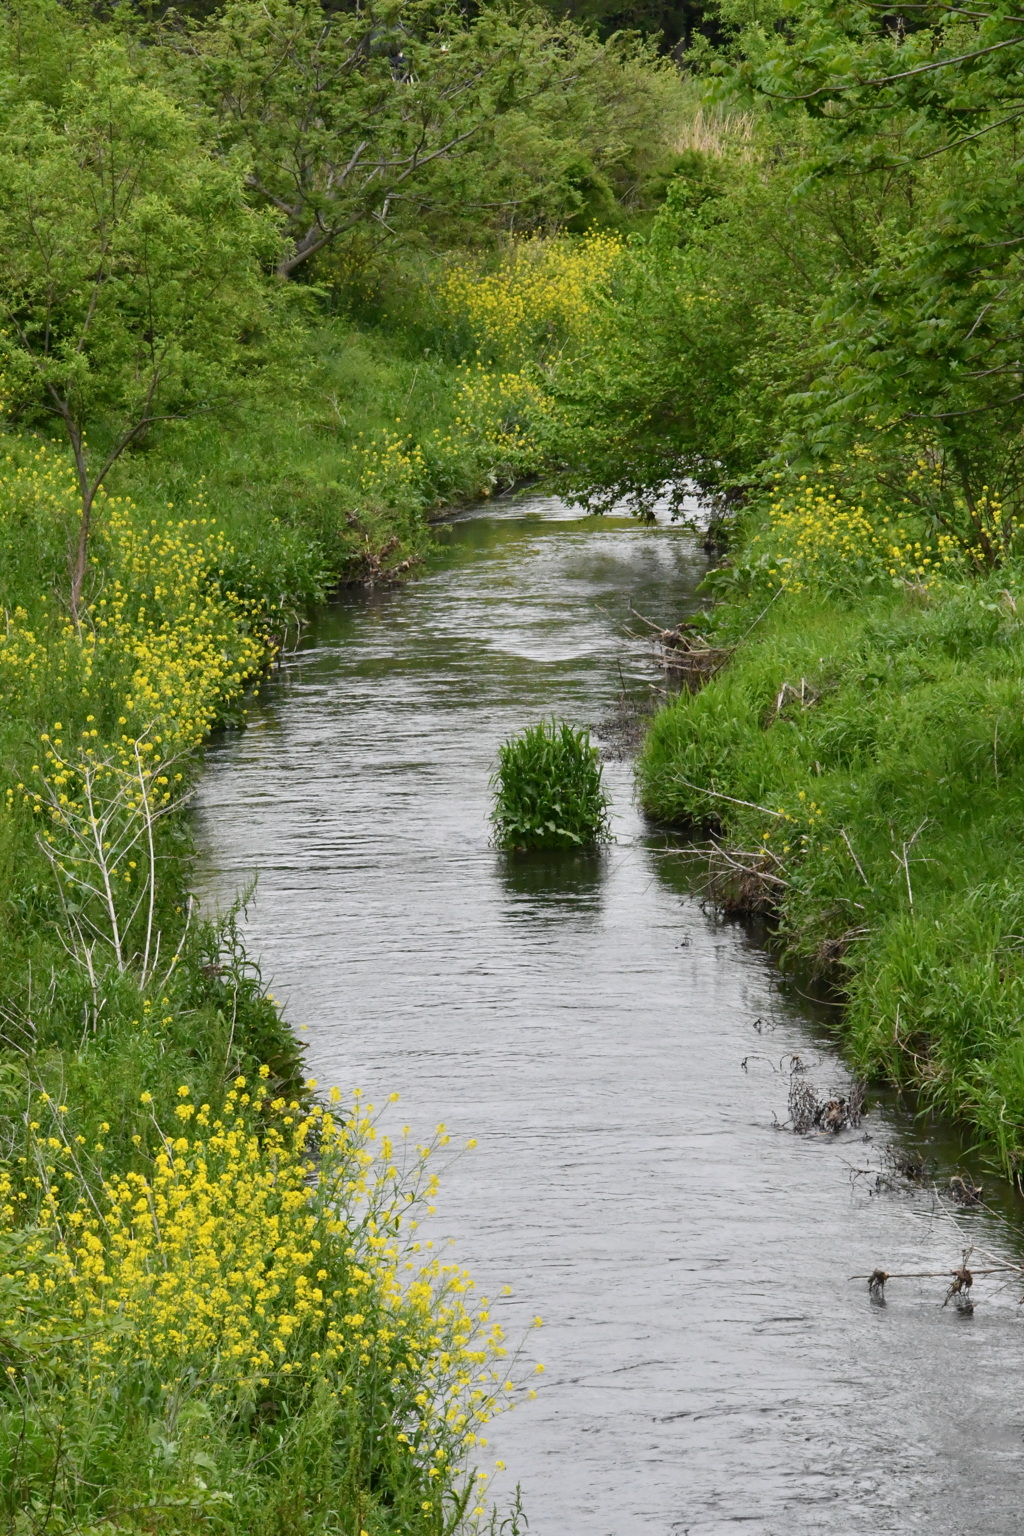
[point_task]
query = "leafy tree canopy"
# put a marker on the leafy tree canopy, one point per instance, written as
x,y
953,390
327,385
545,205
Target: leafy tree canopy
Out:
x,y
851,281
131,284
921,346
406,112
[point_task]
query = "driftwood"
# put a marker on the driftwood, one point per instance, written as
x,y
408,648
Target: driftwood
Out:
x,y
690,659
837,1112
960,1280
745,880
810,1111
686,654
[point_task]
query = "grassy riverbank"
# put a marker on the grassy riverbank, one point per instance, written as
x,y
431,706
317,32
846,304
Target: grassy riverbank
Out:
x,y
862,759
820,332
194,1335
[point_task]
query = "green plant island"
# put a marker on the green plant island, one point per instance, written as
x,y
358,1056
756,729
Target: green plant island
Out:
x,y
548,791
277,282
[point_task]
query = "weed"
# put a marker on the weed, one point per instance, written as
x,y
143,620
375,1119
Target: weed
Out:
x,y
549,791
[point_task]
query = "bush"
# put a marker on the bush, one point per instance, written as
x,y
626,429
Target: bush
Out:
x,y
549,792
240,1330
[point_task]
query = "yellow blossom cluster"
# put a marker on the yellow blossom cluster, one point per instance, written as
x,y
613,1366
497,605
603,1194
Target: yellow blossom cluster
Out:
x,y
505,412
191,644
786,830
163,635
521,315
496,431
264,1242
997,528
162,649
390,466
816,538
22,656
987,529
543,293
36,484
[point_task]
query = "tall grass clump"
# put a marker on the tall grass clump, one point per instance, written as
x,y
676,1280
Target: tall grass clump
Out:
x,y
549,791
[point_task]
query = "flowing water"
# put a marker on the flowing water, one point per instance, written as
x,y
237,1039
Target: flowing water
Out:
x,y
616,1051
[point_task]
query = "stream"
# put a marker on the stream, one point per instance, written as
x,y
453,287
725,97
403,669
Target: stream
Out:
x,y
710,1365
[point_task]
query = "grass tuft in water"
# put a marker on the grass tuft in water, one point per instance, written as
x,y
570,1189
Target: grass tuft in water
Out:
x,y
548,790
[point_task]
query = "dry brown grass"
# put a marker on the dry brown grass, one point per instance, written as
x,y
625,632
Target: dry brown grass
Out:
x,y
718,132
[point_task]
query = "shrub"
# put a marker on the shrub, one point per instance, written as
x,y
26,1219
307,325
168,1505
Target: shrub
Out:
x,y
820,539
540,297
178,1336
548,788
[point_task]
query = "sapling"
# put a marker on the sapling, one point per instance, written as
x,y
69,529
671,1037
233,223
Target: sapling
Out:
x,y
131,284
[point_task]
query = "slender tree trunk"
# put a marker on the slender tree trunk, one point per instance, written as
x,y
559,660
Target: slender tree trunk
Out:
x,y
81,560
89,486
311,242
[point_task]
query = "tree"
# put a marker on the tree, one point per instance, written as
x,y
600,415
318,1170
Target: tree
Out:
x,y
131,279
579,142
339,113
693,358
922,349
672,22
393,113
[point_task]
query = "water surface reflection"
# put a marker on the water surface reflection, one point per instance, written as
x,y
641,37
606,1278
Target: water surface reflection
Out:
x,y
710,1366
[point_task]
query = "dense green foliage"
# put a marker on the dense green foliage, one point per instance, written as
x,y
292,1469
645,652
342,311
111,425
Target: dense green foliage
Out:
x,y
131,266
416,122
844,273
548,791
279,279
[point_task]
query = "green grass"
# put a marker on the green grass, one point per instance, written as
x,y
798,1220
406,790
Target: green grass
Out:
x,y
284,479
286,474
549,791
890,736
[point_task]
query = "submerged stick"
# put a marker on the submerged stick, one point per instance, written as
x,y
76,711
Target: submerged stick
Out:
x,y
961,1279
660,629
940,1274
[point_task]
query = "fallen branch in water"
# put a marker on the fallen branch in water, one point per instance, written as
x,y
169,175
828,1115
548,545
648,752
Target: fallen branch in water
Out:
x,y
938,1274
659,629
733,856
961,1279
837,1112
742,880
